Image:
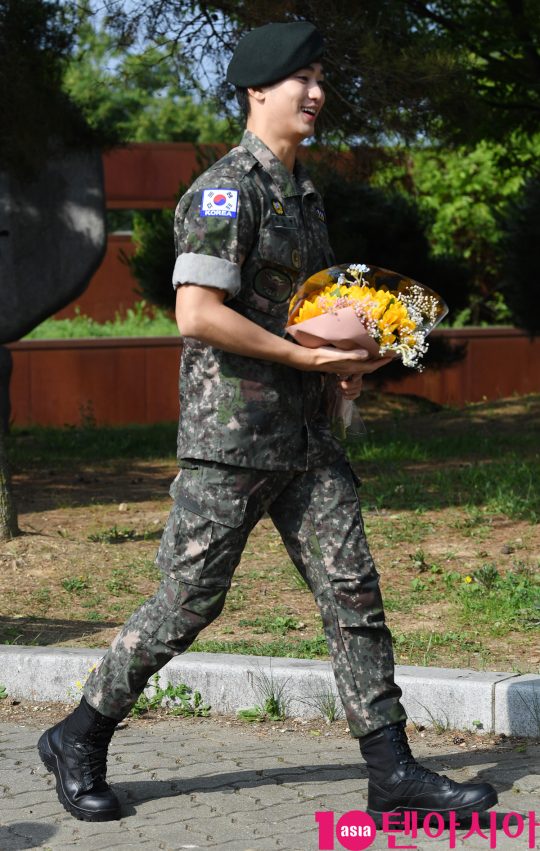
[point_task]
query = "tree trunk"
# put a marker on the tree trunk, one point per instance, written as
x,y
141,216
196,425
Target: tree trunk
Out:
x,y
8,513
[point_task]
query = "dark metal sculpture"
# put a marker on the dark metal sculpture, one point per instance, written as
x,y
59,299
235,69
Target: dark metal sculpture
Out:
x,y
52,239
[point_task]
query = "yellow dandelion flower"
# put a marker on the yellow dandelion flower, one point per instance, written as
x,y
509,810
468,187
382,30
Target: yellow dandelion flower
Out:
x,y
468,579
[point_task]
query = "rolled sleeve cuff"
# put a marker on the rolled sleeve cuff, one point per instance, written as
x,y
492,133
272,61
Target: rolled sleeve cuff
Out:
x,y
207,271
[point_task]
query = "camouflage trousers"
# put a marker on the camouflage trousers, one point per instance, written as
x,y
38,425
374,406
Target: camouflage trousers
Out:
x,y
318,516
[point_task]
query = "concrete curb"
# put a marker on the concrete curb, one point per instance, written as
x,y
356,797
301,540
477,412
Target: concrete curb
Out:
x,y
489,702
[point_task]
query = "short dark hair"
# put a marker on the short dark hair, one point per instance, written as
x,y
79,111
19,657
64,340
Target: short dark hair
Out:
x,y
242,98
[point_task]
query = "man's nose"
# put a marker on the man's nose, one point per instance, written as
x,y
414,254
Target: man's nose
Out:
x,y
316,92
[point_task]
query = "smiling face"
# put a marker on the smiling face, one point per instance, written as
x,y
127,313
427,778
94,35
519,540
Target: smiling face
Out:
x,y
292,105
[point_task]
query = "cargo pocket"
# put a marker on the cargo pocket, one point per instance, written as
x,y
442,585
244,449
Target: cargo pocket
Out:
x,y
205,533
211,494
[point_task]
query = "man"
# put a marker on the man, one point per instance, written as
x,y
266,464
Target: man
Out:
x,y
254,438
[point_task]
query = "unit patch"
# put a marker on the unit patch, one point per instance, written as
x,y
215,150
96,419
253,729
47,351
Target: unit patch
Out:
x,y
273,285
320,214
220,202
278,207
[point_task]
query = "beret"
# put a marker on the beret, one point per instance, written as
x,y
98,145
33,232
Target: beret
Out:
x,y
274,51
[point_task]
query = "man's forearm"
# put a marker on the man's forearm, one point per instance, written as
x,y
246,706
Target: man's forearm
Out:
x,y
228,330
201,313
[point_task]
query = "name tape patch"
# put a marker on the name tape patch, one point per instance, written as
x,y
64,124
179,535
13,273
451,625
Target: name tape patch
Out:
x,y
220,202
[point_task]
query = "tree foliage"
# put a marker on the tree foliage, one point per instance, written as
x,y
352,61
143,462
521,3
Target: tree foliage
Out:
x,y
395,68
142,94
464,194
36,39
521,251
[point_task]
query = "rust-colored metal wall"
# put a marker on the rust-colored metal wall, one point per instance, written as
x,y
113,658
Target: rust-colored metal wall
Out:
x,y
499,362
149,175
110,381
136,380
137,177
113,287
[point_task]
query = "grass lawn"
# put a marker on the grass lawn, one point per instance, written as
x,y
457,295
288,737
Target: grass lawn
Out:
x,y
451,505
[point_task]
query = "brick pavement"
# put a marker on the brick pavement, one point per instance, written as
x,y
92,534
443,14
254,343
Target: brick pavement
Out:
x,y
203,784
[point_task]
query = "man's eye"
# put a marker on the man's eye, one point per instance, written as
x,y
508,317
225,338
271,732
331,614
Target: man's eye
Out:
x,y
301,77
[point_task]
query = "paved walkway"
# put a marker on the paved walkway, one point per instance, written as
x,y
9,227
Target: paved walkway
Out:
x,y
204,784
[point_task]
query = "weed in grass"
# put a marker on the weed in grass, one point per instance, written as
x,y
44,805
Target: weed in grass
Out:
x,y
235,599
119,583
308,648
3,692
325,700
506,603
113,535
144,567
423,642
440,725
179,700
272,695
474,518
277,624
75,585
42,596
10,635
92,601
450,577
487,575
94,616
418,560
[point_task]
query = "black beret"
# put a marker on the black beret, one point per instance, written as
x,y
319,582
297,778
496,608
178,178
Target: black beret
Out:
x,y
272,52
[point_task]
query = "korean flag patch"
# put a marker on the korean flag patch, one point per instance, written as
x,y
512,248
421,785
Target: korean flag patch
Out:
x,y
220,202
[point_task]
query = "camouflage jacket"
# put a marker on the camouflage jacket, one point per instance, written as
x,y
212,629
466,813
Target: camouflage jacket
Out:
x,y
251,228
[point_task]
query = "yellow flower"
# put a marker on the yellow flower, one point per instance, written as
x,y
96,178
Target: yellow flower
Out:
x,y
78,684
308,311
468,579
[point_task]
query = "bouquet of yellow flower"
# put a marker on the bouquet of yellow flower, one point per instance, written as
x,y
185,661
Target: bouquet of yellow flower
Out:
x,y
355,306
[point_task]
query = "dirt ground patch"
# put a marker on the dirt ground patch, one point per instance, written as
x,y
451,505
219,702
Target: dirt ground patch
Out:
x,y
85,560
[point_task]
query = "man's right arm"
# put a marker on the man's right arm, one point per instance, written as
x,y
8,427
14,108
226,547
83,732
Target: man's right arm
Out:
x,y
202,314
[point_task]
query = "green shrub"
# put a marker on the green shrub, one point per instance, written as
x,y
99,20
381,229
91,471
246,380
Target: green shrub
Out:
x,y
521,257
141,320
154,258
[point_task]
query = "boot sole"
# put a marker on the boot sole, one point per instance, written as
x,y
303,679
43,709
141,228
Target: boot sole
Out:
x,y
50,761
484,803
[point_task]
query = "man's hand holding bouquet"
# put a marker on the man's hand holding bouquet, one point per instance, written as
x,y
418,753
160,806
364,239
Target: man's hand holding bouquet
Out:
x,y
353,306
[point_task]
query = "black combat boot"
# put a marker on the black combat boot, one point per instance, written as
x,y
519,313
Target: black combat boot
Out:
x,y
397,782
75,750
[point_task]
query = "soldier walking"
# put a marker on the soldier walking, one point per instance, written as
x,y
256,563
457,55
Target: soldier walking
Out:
x,y
254,438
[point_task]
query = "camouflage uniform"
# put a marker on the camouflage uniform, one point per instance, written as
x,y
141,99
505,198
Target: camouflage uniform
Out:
x,y
254,438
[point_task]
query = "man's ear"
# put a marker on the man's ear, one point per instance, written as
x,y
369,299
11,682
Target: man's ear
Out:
x,y
257,94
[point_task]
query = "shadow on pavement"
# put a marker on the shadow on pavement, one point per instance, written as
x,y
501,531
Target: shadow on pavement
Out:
x,y
25,834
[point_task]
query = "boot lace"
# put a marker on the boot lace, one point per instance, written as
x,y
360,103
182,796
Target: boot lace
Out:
x,y
94,747
405,757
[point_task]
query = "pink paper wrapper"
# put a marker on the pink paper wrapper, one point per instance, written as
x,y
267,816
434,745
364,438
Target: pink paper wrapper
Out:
x,y
342,329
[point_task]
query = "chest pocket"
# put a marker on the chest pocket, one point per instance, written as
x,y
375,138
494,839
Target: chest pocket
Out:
x,y
279,263
280,245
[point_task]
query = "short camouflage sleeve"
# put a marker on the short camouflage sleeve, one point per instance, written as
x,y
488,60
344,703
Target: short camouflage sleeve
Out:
x,y
214,231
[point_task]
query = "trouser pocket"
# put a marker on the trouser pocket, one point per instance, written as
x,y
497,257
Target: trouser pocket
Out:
x,y
208,524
